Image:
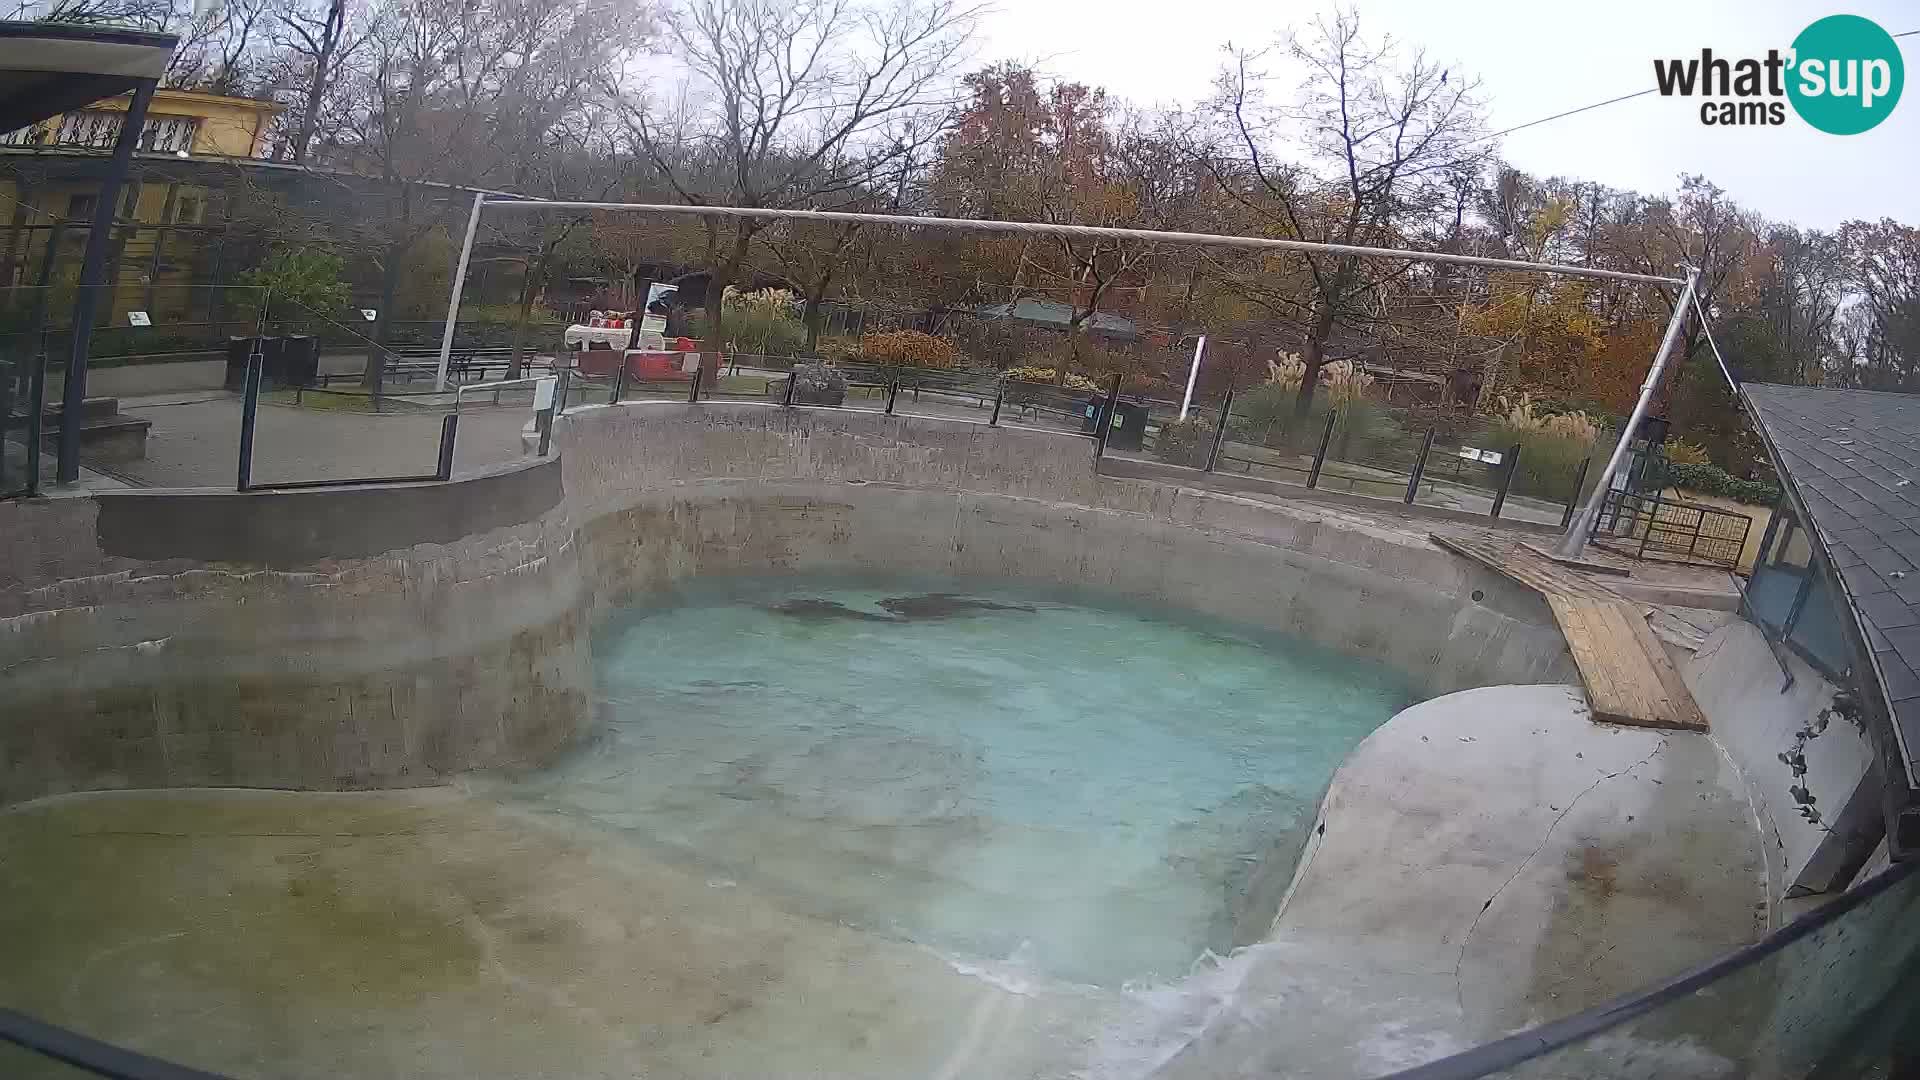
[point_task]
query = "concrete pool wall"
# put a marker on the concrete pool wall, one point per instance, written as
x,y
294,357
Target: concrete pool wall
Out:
x,y
666,493
342,639
354,638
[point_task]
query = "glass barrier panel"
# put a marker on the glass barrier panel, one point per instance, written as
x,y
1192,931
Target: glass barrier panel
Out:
x,y
1838,1001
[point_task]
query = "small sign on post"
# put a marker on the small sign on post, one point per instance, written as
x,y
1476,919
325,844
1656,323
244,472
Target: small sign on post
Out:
x,y
1489,457
138,318
369,314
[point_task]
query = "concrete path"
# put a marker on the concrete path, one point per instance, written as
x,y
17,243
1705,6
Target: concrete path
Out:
x,y
195,441
1489,860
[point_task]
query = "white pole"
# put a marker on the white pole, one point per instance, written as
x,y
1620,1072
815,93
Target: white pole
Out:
x,y
1193,373
459,283
1090,231
1575,541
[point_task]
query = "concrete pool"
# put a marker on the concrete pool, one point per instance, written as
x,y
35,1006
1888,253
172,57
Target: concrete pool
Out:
x,y
814,880
1095,795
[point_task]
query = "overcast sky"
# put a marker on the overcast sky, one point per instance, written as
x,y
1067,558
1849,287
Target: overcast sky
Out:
x,y
1535,58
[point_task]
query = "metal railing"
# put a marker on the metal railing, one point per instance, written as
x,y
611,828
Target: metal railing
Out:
x,y
1654,526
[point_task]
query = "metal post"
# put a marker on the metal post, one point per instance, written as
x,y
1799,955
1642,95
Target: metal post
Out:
x,y
1103,419
1320,455
459,285
999,396
619,383
249,412
893,391
1419,468
1652,517
693,387
37,395
793,377
449,429
1773,526
1575,540
1506,480
1193,375
73,394
1220,430
1579,481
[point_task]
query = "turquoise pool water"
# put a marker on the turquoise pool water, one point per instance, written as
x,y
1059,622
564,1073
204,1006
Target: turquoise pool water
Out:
x,y
1091,794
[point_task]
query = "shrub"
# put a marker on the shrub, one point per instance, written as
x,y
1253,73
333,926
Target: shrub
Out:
x,y
302,284
818,384
508,315
1552,445
1340,382
1360,430
1682,452
1714,480
838,350
909,348
766,329
1047,375
1183,442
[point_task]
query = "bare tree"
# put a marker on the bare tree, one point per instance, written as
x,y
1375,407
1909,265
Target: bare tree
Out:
x,y
1377,140
466,93
794,103
317,41
139,14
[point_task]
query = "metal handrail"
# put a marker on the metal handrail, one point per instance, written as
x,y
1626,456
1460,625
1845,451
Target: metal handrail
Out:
x,y
500,384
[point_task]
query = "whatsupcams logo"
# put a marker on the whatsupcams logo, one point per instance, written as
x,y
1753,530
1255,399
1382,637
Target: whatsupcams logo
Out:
x,y
1843,75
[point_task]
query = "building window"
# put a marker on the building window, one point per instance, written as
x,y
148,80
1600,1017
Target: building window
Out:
x,y
169,134
98,129
88,128
1793,602
187,211
80,207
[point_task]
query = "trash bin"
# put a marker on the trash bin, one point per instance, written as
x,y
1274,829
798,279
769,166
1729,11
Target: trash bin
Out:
x,y
273,358
1090,411
1129,426
238,349
299,361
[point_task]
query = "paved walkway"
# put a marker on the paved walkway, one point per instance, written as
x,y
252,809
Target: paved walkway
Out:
x,y
195,441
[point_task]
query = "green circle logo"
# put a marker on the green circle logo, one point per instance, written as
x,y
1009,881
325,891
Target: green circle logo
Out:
x,y
1846,74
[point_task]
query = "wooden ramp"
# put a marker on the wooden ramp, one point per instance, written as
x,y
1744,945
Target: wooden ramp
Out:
x,y
1628,677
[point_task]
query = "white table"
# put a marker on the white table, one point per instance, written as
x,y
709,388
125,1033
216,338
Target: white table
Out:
x,y
579,335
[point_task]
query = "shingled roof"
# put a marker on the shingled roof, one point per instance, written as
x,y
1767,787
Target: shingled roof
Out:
x,y
1851,462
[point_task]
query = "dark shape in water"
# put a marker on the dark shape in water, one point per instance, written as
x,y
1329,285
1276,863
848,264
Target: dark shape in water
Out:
x,y
815,608
898,608
943,605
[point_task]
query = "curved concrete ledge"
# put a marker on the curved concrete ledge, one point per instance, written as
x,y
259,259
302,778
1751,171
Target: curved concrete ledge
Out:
x,y
666,492
391,636
1485,861
345,638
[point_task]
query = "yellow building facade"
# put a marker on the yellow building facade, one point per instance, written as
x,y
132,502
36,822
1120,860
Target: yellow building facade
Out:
x,y
178,122
49,185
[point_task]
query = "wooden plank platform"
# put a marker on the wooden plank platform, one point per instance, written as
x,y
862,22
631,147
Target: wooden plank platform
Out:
x,y
1628,677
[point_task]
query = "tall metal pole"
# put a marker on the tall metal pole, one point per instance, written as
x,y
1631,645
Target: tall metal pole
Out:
x,y
1193,374
459,284
73,394
1574,542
